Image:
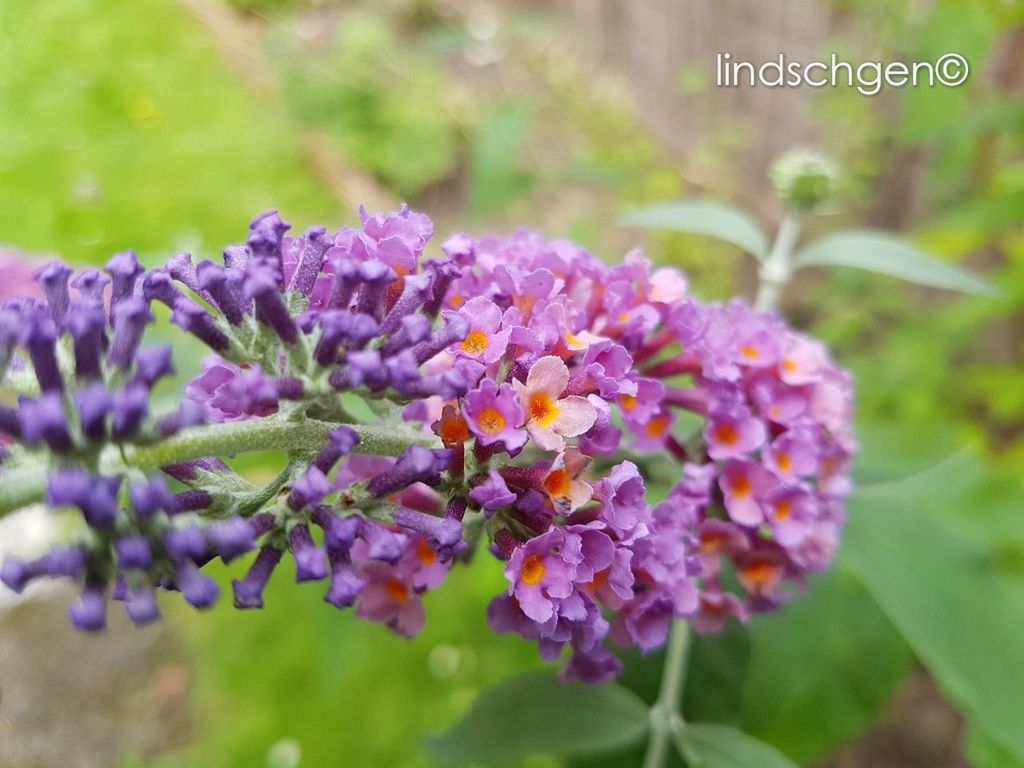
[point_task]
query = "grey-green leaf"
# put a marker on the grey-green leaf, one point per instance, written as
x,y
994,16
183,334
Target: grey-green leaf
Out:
x,y
887,254
536,714
948,599
702,217
704,745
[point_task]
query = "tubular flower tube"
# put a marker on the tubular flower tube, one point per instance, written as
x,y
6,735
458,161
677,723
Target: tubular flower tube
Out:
x,y
497,370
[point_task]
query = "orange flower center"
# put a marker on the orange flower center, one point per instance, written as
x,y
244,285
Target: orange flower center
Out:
x,y
457,300
782,461
542,409
783,509
656,427
425,553
789,365
491,420
628,402
759,575
397,591
749,351
454,430
474,343
532,571
710,543
726,434
600,579
557,483
740,486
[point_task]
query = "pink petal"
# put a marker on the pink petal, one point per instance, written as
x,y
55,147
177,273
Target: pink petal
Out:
x,y
546,437
549,374
575,416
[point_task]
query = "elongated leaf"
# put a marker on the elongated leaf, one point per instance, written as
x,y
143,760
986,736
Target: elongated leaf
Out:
x,y
889,255
535,714
719,746
702,217
812,682
948,599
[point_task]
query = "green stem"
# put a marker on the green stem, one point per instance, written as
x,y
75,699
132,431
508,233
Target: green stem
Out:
x,y
665,714
778,265
20,486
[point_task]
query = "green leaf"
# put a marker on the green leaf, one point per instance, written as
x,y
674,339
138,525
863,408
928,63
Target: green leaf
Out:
x,y
889,255
719,746
702,217
536,714
812,683
944,593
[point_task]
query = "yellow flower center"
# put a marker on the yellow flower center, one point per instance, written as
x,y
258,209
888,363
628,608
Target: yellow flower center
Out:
x,y
491,420
532,571
542,409
789,365
475,343
749,351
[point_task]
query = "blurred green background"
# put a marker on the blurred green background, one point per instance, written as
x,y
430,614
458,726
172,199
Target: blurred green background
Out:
x,y
165,125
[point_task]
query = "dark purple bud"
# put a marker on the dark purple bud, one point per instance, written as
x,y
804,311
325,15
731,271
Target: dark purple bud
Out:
x,y
343,328
89,612
99,506
10,330
382,543
150,496
310,560
44,420
225,288
10,422
340,443
266,233
415,464
199,590
130,409
403,370
339,532
454,328
39,336
53,278
124,270
307,321
445,532
289,388
93,403
249,591
346,280
261,285
375,276
191,317
237,256
309,489
415,290
314,246
186,544
153,364
191,501
456,508
411,330
68,486
133,552
159,285
367,370
346,584
129,320
442,272
181,269
140,604
230,538
90,284
188,471
189,414
59,561
85,321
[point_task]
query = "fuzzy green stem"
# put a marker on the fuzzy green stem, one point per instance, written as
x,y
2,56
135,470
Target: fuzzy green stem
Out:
x,y
777,267
20,486
665,714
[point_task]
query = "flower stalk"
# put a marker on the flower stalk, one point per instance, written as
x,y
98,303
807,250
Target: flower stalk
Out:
x,y
666,714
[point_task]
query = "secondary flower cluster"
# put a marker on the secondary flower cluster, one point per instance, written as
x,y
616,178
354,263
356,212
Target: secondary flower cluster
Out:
x,y
507,373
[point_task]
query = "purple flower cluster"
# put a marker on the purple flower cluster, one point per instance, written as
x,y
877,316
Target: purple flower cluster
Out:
x,y
523,360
